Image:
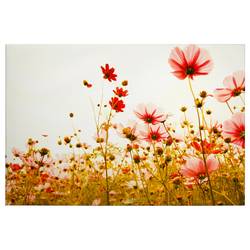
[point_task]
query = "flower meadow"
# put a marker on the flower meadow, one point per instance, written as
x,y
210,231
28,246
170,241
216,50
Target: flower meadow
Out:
x,y
203,164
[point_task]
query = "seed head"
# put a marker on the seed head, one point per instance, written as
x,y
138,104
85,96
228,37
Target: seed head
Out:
x,y
183,109
125,83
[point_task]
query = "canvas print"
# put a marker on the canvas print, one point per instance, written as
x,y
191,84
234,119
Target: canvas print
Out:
x,y
125,125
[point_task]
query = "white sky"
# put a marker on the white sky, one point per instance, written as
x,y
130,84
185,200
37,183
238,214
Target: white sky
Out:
x,y
44,84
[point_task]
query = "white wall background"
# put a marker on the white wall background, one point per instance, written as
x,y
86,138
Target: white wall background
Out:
x,y
44,84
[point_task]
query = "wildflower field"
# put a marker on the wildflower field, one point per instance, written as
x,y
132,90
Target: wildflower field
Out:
x,y
202,163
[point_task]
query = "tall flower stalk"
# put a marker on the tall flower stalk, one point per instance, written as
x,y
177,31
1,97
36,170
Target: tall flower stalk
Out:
x,y
201,138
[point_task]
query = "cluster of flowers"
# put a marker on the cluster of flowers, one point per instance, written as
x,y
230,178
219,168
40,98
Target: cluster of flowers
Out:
x,y
157,166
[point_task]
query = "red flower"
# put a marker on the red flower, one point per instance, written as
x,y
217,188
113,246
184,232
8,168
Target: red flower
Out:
x,y
154,134
209,148
149,114
116,104
120,92
125,170
190,62
88,85
44,177
108,73
49,190
15,167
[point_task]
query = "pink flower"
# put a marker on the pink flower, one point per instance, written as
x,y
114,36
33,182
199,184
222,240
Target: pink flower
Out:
x,y
190,62
195,167
129,132
154,134
149,114
235,85
235,129
16,152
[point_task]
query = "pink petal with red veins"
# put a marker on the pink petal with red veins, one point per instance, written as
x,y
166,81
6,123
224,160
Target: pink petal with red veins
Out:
x,y
212,163
222,95
191,53
180,74
178,56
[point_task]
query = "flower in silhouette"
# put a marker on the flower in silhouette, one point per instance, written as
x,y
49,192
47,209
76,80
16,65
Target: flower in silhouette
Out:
x,y
108,73
235,129
234,86
190,62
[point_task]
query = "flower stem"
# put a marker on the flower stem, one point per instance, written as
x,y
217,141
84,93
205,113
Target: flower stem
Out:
x,y
202,146
242,99
105,157
229,108
173,139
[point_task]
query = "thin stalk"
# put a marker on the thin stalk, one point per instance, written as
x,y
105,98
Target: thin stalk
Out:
x,y
202,146
172,138
105,157
242,100
229,108
225,196
145,189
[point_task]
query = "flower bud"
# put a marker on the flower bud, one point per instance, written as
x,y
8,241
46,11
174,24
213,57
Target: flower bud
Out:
x,y
227,140
136,158
44,151
125,83
67,139
198,103
203,94
183,109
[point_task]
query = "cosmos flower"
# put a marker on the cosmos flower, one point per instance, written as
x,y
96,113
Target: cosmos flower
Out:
x,y
117,104
149,114
195,167
120,92
108,73
16,152
234,86
209,148
154,133
214,127
15,167
88,85
234,129
129,132
190,62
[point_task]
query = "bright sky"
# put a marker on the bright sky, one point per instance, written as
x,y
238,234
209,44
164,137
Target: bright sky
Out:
x,y
44,84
